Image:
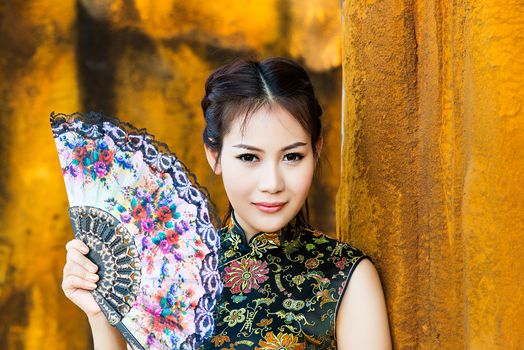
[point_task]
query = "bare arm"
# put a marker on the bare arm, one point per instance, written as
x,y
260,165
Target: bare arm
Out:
x,y
78,280
362,320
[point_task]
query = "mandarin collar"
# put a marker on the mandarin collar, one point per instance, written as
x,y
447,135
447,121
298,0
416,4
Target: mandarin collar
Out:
x,y
235,243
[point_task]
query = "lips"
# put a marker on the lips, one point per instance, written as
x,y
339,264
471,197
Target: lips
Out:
x,y
269,207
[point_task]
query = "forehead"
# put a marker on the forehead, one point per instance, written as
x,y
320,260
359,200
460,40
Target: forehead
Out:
x,y
266,126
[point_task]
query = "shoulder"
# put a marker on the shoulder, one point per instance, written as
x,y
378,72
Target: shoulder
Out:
x,y
332,257
341,256
365,280
362,320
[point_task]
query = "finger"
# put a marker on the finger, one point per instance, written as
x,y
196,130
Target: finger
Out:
x,y
74,282
77,244
74,269
73,255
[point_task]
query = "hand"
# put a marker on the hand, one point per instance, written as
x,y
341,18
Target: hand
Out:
x,y
80,277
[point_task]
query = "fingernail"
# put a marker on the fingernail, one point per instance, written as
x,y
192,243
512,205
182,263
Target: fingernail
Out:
x,y
92,285
93,268
84,249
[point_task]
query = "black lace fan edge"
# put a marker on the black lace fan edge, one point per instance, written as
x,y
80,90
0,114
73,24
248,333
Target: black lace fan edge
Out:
x,y
97,118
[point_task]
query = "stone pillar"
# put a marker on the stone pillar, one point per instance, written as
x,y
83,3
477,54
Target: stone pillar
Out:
x,y
433,165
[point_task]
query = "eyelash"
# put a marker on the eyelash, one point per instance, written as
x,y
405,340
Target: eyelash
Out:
x,y
297,156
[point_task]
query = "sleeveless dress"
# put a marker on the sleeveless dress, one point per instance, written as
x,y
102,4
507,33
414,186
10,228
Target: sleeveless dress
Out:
x,y
281,289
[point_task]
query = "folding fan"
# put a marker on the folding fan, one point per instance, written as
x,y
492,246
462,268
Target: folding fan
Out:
x,y
150,228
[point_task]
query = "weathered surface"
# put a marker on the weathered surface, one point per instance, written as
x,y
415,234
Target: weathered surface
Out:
x,y
146,62
38,72
432,169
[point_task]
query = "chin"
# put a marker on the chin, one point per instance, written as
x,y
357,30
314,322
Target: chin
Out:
x,y
275,223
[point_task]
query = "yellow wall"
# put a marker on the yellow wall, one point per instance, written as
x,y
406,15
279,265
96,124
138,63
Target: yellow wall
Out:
x,y
433,165
146,62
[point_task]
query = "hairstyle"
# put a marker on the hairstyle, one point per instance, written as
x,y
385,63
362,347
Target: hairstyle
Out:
x,y
242,86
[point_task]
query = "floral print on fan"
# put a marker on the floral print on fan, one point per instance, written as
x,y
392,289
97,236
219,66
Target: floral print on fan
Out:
x,y
161,221
126,173
149,212
94,158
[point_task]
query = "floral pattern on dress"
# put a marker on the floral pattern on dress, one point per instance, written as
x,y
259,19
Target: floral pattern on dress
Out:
x,y
279,342
243,276
281,289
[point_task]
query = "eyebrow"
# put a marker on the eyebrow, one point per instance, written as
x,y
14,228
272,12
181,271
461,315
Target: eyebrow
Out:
x,y
252,148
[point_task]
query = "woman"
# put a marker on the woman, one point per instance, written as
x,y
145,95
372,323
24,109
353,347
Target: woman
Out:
x,y
286,285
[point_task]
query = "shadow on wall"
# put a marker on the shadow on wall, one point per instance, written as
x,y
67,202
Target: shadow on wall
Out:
x,y
145,62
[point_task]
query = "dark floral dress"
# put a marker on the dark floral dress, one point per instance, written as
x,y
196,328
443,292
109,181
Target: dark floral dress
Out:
x,y
282,289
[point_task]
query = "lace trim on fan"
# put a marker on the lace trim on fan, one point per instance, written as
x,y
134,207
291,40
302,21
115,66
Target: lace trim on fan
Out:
x,y
158,156
136,139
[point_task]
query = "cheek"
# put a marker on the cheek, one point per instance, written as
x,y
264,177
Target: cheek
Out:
x,y
236,181
299,181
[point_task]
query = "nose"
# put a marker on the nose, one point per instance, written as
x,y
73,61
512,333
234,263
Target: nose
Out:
x,y
271,179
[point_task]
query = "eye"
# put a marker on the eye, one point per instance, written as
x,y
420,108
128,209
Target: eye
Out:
x,y
247,157
294,157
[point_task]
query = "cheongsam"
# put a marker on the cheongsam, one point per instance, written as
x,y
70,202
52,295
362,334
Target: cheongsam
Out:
x,y
281,289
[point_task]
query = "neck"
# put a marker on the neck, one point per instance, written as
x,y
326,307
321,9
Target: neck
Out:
x,y
249,233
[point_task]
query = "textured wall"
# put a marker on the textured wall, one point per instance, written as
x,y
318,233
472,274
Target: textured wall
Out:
x,y
38,69
145,61
433,165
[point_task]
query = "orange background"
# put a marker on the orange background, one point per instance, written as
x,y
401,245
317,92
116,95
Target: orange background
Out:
x,y
145,62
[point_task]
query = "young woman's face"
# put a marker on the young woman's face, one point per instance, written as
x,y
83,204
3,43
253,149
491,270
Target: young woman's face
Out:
x,y
267,170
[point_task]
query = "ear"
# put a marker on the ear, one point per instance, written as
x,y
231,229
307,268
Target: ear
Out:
x,y
212,158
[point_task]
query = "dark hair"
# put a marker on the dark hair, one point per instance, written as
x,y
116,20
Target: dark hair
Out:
x,y
243,86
